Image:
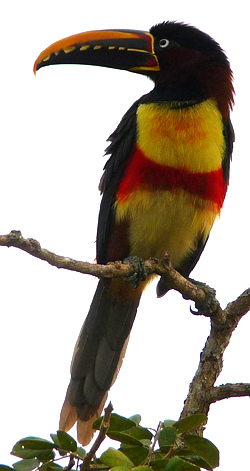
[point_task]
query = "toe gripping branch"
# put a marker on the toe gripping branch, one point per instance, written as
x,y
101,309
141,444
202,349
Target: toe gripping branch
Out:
x,y
204,307
140,271
210,305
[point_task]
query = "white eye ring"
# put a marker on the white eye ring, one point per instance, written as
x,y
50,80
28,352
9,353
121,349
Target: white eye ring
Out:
x,y
164,43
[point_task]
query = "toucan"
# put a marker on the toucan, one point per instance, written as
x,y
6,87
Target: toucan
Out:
x,y
162,188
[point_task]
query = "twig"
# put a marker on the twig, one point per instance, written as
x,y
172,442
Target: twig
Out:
x,y
71,463
102,434
225,391
152,448
238,308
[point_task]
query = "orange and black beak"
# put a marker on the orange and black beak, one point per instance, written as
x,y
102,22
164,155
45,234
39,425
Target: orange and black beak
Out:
x,y
124,49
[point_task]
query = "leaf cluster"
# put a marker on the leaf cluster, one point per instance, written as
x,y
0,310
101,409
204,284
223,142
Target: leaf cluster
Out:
x,y
178,450
171,448
44,455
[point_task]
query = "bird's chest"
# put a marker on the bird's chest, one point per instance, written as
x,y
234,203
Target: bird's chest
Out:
x,y
173,187
182,138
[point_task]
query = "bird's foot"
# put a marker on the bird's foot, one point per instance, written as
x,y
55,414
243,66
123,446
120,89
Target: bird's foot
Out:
x,y
140,272
206,307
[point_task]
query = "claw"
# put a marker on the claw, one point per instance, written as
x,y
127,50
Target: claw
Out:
x,y
140,272
210,305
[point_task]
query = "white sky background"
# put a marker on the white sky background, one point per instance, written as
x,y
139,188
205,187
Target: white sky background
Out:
x,y
53,132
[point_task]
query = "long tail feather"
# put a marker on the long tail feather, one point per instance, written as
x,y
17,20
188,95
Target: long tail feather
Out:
x,y
97,358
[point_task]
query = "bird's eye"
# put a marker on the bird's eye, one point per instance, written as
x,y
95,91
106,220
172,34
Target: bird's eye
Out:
x,y
164,43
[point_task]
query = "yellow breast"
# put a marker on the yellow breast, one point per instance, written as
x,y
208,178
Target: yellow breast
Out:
x,y
190,138
173,221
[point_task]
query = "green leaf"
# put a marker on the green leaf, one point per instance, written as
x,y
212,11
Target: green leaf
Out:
x,y
112,457
81,452
167,436
135,418
157,455
137,454
178,464
42,455
66,442
57,444
135,436
50,466
166,449
140,433
117,423
34,443
190,455
146,442
203,448
159,465
142,468
26,465
32,447
124,438
199,462
169,423
4,467
55,439
183,452
120,468
190,423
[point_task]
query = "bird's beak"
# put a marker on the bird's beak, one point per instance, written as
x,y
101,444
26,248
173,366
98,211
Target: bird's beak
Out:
x,y
118,49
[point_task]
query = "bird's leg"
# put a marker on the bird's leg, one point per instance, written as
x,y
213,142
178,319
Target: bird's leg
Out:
x,y
210,305
140,272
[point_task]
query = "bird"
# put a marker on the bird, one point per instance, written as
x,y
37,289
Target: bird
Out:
x,y
163,185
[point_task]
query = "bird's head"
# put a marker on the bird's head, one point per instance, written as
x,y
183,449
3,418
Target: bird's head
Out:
x,y
180,59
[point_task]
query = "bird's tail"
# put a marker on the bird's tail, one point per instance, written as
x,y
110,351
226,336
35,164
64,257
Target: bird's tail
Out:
x,y
97,358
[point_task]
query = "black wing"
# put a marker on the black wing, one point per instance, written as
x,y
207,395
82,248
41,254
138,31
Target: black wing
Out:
x,y
121,147
229,136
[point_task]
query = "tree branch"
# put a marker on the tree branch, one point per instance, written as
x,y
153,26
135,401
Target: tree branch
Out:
x,y
223,322
100,437
114,269
238,308
225,391
202,391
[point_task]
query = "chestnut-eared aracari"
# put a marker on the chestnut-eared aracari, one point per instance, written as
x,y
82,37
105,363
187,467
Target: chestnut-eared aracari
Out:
x,y
163,185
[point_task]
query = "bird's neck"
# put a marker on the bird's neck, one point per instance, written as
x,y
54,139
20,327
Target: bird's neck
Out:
x,y
182,96
204,81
